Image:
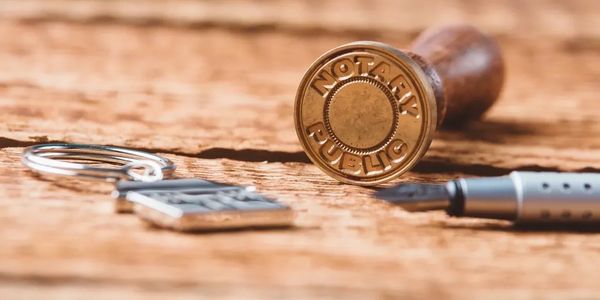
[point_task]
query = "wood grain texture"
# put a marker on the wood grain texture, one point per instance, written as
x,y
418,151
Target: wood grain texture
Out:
x,y
214,92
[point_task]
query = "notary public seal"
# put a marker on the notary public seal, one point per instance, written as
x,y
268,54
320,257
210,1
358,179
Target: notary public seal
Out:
x,y
364,113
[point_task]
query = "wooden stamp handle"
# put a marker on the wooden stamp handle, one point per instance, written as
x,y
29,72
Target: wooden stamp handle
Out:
x,y
465,69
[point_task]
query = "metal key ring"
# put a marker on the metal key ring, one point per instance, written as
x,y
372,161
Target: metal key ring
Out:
x,y
51,158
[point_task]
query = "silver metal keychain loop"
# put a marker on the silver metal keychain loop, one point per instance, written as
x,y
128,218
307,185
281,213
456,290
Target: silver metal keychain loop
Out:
x,y
179,204
52,159
152,171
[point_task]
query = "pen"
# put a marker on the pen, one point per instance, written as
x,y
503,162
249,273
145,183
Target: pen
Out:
x,y
522,197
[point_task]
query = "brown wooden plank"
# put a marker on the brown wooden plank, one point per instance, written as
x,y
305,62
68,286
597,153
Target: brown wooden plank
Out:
x,y
552,18
235,90
345,243
218,100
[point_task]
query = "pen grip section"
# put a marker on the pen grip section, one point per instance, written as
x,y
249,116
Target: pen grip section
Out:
x,y
493,198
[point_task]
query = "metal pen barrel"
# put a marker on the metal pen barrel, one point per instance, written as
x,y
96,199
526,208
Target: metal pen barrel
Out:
x,y
526,197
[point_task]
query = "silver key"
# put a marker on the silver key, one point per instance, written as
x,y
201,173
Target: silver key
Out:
x,y
195,205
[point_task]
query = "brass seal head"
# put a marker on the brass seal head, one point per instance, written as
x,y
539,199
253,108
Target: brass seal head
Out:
x,y
365,113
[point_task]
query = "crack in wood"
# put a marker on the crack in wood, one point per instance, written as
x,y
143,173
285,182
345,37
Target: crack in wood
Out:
x,y
12,143
240,27
425,166
255,155
429,166
156,285
74,280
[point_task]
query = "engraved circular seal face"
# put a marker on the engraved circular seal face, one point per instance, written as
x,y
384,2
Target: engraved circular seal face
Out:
x,y
365,113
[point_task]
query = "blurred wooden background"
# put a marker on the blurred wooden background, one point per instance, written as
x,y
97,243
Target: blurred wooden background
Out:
x,y
211,85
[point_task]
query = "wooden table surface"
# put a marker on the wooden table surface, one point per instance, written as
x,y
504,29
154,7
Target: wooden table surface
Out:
x,y
211,85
